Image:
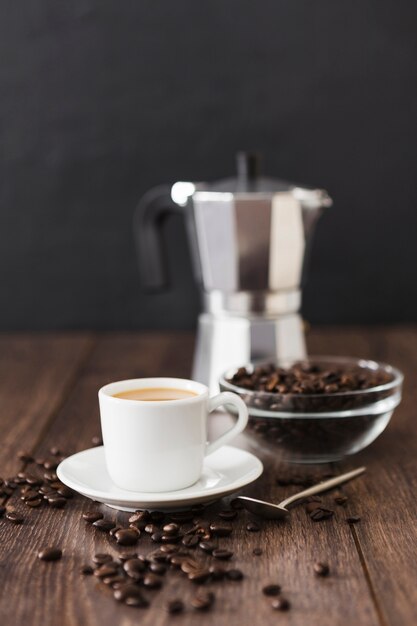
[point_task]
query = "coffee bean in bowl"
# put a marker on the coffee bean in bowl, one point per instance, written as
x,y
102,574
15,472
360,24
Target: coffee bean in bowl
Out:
x,y
319,409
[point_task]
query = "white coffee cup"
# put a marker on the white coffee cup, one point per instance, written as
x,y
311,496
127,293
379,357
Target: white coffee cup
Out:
x,y
154,446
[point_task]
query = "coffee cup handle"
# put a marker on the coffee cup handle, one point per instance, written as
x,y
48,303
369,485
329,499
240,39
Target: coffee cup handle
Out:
x,y
227,397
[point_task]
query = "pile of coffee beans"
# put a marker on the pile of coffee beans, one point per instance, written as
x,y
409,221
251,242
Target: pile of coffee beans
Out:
x,y
311,388
153,546
38,487
185,543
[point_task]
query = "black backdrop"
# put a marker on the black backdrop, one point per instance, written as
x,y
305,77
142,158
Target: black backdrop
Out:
x,y
100,100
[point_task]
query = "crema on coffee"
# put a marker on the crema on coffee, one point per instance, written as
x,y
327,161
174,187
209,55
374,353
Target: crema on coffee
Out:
x,y
155,394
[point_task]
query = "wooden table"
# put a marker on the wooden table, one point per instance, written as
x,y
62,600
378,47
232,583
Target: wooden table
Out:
x,y
48,385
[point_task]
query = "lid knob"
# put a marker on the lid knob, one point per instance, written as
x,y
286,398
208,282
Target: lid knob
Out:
x,y
248,165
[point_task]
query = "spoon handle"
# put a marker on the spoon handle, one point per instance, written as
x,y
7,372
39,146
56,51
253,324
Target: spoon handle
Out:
x,y
324,486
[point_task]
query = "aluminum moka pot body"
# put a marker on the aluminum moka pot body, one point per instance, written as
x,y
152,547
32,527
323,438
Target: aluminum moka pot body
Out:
x,y
249,238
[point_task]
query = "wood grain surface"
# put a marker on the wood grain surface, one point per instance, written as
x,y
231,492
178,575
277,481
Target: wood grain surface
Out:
x,y
48,392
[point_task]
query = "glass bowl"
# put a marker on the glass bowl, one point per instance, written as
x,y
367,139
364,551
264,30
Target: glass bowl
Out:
x,y
320,427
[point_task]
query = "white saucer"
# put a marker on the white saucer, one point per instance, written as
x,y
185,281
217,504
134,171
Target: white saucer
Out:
x,y
225,471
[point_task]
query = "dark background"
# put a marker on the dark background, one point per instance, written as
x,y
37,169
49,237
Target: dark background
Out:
x,y
100,100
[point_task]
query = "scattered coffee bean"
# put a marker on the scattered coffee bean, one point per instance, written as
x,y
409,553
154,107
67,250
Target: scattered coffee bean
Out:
x,y
131,595
134,568
86,570
234,574
170,538
14,517
57,502
171,529
321,569
157,536
151,581
101,558
280,604
50,464
199,576
220,530
108,569
126,536
227,514
19,481
50,477
177,560
174,606
169,548
55,451
152,528
118,584
353,519
217,572
203,601
257,551
103,525
341,500
49,494
29,494
26,457
92,516
321,514
115,581
271,590
65,491
158,568
114,530
190,541
34,502
50,554
33,480
253,527
137,601
45,489
189,565
126,556
208,546
158,557
109,580
139,516
138,525
222,554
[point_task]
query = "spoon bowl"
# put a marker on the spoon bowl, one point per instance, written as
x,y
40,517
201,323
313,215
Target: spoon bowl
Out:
x,y
268,510
264,509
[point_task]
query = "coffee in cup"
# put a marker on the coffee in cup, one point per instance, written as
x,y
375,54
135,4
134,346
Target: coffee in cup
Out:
x,y
155,394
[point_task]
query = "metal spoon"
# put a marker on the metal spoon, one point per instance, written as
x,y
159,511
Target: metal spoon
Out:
x,y
279,511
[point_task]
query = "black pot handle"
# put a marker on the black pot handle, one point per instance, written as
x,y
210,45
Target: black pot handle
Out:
x,y
151,211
